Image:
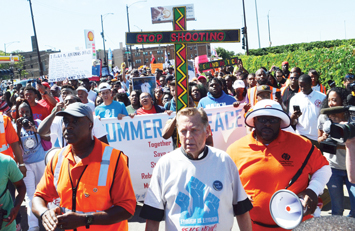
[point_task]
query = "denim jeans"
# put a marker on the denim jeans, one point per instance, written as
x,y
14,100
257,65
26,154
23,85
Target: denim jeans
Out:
x,y
335,187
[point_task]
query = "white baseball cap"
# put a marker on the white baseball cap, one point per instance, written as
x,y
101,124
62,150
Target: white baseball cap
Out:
x,y
268,107
104,86
81,88
238,84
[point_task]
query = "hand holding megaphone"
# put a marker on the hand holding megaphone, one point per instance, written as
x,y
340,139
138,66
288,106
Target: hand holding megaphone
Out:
x,y
309,201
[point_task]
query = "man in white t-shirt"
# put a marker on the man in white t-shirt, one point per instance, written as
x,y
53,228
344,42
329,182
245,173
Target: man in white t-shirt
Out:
x,y
53,125
83,95
196,187
309,102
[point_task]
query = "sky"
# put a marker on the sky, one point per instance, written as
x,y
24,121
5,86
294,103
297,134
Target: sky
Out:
x,y
60,24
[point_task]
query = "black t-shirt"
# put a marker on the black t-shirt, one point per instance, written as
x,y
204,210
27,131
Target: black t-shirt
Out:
x,y
288,94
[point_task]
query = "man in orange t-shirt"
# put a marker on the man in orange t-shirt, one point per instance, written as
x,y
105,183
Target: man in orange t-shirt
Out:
x,y
268,158
91,179
39,112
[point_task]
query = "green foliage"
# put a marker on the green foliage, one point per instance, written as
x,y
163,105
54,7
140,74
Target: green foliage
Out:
x,y
332,63
221,52
301,46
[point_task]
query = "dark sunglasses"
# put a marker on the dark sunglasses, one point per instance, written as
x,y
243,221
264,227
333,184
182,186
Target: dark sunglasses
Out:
x,y
272,120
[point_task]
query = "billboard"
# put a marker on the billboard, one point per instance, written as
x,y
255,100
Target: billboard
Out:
x,y
161,14
90,42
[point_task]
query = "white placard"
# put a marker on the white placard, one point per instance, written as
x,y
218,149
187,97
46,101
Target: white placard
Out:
x,y
70,65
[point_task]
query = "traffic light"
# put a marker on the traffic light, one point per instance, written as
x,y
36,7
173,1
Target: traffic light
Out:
x,y
244,30
243,43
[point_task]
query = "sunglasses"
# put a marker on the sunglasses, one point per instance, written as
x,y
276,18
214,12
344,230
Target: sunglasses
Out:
x,y
294,78
349,77
264,120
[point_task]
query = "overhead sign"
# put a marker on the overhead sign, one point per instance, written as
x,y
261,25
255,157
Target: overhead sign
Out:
x,y
161,14
177,37
217,63
70,65
9,59
90,42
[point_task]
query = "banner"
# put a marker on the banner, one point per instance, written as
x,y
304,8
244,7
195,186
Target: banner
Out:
x,y
161,14
141,139
90,42
218,63
70,65
9,59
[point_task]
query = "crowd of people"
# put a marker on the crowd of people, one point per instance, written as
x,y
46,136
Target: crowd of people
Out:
x,y
285,132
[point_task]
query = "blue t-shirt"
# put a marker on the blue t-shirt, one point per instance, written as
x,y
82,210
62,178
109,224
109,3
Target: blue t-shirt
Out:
x,y
172,105
210,102
32,147
112,110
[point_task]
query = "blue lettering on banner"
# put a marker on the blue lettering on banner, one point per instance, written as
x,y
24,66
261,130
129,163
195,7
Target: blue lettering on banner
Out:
x,y
135,131
227,121
129,131
203,211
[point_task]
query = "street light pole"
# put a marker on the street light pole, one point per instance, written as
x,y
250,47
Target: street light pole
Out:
x,y
8,44
268,25
34,30
129,29
257,22
103,37
246,30
142,46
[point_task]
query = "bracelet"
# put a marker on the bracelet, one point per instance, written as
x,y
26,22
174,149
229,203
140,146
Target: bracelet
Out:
x,y
21,165
43,213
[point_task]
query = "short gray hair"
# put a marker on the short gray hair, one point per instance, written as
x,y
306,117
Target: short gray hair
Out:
x,y
191,111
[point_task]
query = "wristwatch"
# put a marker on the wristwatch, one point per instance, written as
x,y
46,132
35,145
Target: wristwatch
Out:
x,y
89,220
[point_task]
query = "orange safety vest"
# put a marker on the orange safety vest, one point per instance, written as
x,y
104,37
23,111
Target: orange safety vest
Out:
x,y
252,94
92,193
322,89
4,146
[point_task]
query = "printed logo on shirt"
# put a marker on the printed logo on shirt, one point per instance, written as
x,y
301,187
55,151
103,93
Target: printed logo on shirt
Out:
x,y
217,185
196,209
286,161
317,103
108,113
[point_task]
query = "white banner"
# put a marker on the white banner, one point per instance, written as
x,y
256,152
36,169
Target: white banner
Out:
x,y
162,14
70,65
141,139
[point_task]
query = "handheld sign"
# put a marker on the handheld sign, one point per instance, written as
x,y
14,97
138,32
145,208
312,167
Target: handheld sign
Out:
x,y
218,63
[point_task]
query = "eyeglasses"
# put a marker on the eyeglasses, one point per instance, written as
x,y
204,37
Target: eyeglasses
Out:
x,y
271,120
349,77
13,111
145,97
294,78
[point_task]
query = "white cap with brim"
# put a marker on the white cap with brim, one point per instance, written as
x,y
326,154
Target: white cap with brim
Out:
x,y
78,110
268,107
81,88
104,86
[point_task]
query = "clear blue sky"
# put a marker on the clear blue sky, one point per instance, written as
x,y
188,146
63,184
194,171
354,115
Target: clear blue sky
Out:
x,y
60,24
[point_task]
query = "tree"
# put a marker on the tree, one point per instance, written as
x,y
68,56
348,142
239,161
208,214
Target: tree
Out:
x,y
224,53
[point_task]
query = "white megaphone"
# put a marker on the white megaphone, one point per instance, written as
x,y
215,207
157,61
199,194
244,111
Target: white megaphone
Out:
x,y
286,209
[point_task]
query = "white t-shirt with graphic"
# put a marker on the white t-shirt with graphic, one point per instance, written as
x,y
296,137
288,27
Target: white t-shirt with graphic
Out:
x,y
196,193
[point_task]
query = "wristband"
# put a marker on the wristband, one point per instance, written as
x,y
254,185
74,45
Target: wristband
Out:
x,y
43,213
21,165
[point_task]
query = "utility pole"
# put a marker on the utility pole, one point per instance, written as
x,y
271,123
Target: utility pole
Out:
x,y
130,47
246,31
268,24
103,40
257,22
35,34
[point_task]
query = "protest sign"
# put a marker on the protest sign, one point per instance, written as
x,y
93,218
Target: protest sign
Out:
x,y
154,66
141,139
144,84
70,65
217,63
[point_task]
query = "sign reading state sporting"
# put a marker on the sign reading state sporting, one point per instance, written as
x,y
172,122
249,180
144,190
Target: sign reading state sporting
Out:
x,y
141,139
195,36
